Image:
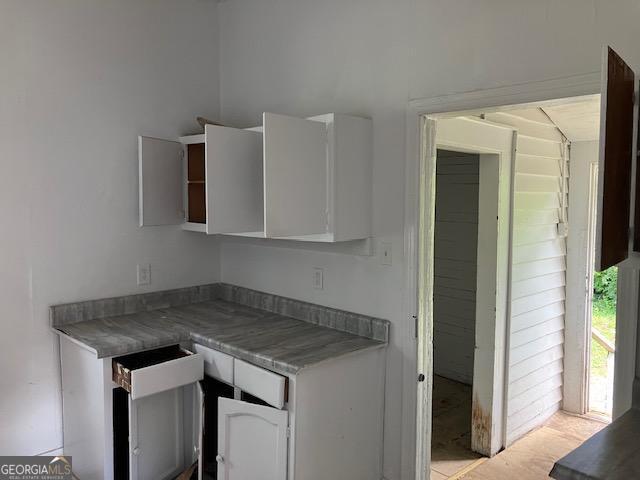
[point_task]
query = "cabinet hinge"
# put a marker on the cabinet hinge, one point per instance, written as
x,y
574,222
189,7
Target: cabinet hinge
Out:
x,y
415,326
288,432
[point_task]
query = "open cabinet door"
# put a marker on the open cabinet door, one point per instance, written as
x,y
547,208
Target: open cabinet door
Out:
x,y
616,145
295,176
161,199
156,448
234,180
198,428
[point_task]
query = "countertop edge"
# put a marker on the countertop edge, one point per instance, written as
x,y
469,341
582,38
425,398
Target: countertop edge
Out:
x,y
192,337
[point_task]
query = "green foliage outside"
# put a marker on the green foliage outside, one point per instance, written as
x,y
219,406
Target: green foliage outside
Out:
x,y
604,316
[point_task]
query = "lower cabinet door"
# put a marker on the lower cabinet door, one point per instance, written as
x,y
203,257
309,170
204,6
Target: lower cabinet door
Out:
x,y
156,436
252,441
198,426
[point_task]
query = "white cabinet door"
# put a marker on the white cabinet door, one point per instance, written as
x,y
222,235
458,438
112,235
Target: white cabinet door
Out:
x,y
160,180
156,436
198,427
233,180
295,176
252,441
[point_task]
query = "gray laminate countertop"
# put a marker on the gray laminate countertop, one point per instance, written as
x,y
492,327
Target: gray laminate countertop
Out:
x,y
259,336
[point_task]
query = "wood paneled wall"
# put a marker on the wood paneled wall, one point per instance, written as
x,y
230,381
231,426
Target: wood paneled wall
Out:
x,y
455,264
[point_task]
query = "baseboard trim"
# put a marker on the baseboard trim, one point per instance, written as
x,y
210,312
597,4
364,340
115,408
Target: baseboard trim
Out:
x,y
51,453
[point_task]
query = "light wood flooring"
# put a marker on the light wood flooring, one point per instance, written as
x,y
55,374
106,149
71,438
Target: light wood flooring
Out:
x,y
530,458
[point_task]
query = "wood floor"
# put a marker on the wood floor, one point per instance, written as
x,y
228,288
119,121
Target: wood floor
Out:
x,y
530,458
451,438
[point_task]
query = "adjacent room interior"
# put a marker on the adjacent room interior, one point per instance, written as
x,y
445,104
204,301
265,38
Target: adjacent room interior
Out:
x,y
560,329
454,305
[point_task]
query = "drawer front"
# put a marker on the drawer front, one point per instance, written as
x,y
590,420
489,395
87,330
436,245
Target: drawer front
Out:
x,y
261,383
159,377
216,364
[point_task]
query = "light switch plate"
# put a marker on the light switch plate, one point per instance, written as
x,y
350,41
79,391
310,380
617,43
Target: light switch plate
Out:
x,y
144,274
385,253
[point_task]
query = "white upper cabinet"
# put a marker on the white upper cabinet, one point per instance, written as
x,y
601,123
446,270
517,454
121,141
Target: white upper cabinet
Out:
x,y
350,176
292,178
318,181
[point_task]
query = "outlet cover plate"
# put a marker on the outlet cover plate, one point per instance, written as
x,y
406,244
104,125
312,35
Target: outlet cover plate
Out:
x,y
144,273
318,278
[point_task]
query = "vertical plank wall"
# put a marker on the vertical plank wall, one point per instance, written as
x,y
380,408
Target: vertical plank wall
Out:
x,y
538,277
455,264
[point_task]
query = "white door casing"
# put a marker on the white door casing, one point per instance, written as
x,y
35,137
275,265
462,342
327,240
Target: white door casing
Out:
x,y
495,144
416,419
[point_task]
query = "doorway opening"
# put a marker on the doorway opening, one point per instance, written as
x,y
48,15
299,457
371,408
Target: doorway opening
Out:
x,y
601,317
520,362
603,341
454,306
469,252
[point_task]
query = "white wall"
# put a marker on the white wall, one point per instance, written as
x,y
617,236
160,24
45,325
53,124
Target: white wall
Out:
x,y
79,81
536,340
304,58
370,57
455,264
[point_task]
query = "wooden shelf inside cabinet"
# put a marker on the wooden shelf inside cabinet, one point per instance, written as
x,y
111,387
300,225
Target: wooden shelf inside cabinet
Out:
x,y
196,203
196,188
195,162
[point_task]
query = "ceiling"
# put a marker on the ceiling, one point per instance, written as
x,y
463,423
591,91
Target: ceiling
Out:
x,y
578,121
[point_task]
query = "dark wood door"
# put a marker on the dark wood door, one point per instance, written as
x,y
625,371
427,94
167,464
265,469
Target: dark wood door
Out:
x,y
616,144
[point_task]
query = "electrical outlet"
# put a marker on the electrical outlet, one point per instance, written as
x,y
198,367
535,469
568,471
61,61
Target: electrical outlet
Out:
x,y
385,253
318,278
144,274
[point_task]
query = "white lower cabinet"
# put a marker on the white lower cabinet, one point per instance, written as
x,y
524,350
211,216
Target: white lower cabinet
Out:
x,y
329,424
252,441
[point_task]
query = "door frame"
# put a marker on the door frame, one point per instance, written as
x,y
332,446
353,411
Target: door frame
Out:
x,y
416,423
592,226
495,144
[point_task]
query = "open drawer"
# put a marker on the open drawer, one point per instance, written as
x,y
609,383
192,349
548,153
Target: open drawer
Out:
x,y
158,370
